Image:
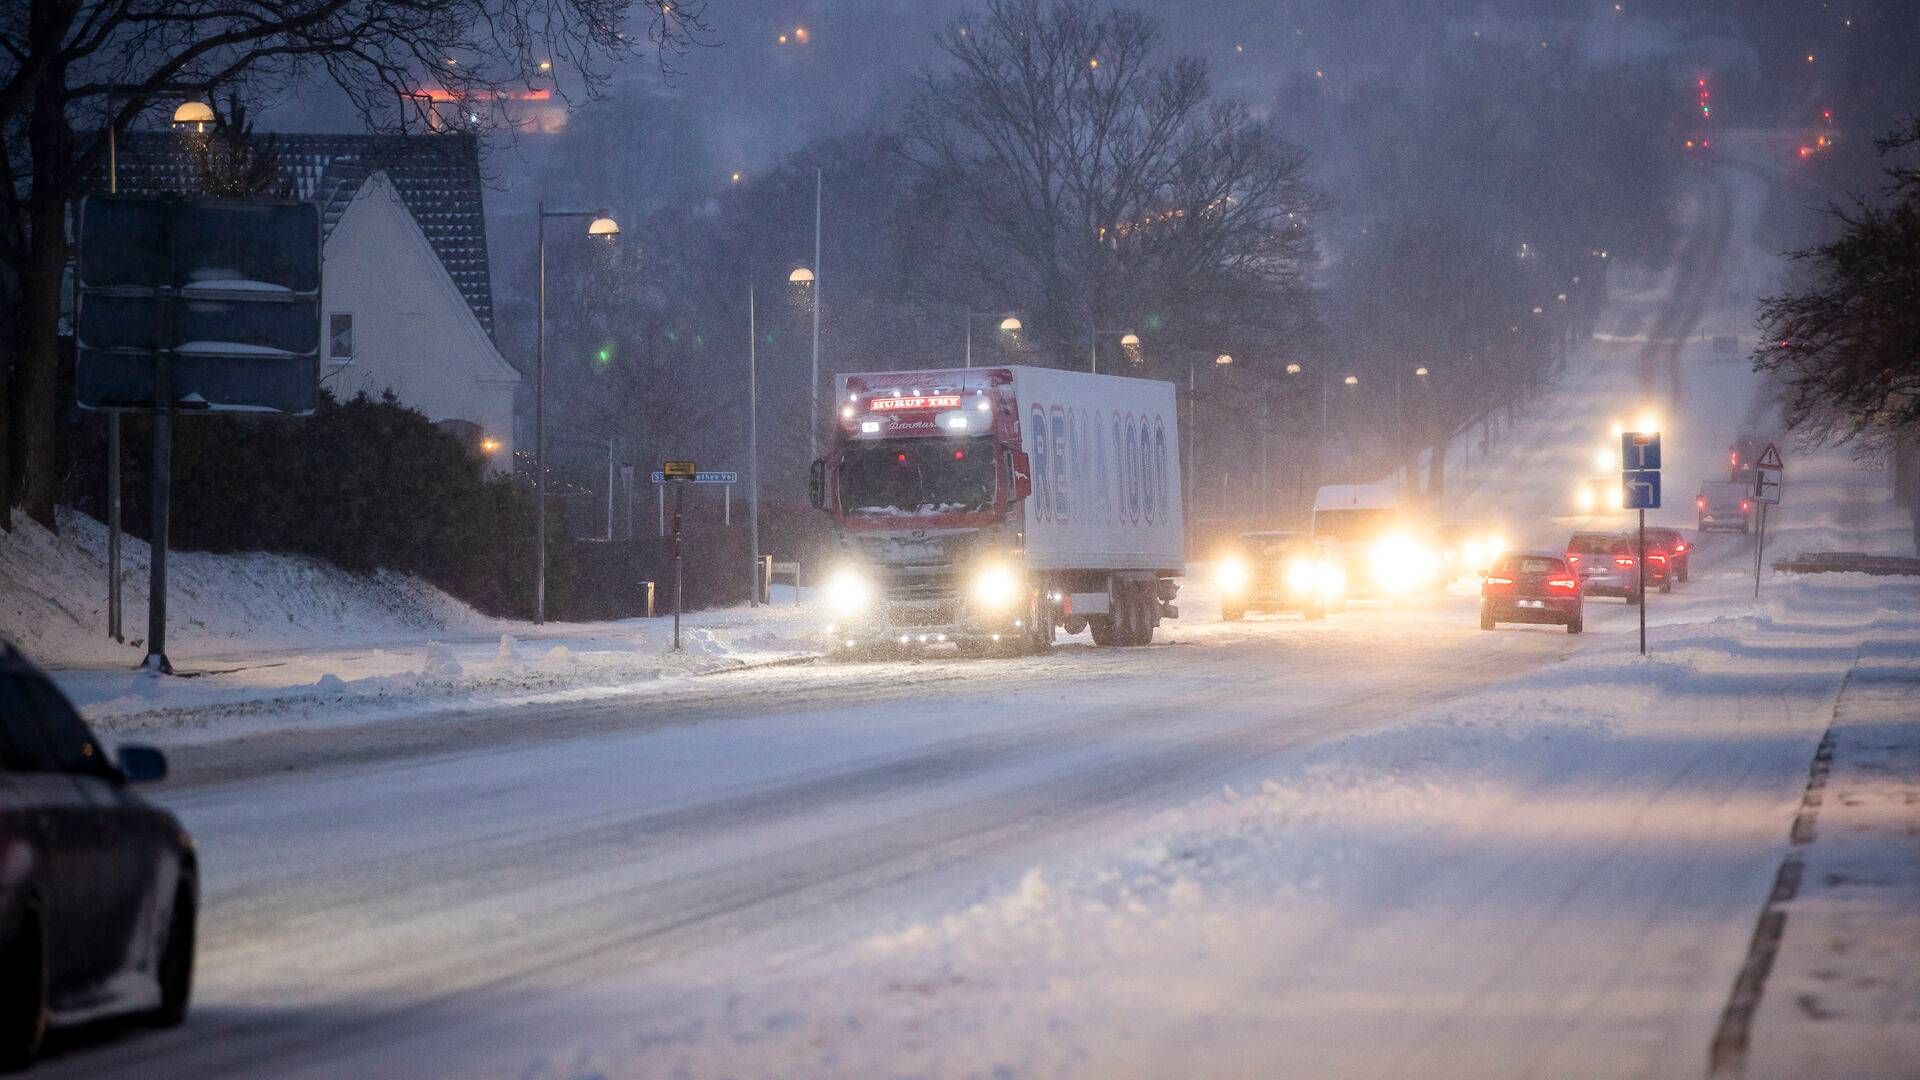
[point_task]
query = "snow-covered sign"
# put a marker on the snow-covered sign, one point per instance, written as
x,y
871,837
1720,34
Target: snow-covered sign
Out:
x,y
1769,474
228,289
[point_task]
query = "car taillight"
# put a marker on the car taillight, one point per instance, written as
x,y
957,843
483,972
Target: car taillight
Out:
x,y
1657,557
1562,583
1575,559
1745,506
1622,562
1700,501
1499,581
1678,548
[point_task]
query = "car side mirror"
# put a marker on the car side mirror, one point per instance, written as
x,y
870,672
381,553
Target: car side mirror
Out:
x,y
142,764
817,483
1021,467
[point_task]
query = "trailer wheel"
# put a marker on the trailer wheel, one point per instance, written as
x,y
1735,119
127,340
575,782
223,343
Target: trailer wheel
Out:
x,y
1103,629
1146,606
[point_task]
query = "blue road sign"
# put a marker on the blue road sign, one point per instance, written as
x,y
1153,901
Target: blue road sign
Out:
x,y
702,477
1640,488
1639,450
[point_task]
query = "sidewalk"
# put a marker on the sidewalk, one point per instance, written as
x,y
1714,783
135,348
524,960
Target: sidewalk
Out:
x,y
1843,995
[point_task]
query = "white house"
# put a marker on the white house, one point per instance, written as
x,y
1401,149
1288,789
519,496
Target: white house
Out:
x,y
394,319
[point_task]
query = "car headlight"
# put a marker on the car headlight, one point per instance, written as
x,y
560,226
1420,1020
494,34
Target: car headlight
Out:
x,y
1301,577
847,592
1399,564
1230,573
1331,579
1475,554
996,586
1584,498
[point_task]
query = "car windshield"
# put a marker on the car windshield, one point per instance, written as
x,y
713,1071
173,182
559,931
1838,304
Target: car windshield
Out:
x,y
1589,545
1540,565
917,476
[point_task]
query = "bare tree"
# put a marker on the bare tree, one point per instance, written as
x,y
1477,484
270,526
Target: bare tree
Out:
x,y
1847,347
1075,174
71,69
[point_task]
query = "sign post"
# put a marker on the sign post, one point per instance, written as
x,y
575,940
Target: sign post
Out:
x,y
202,304
681,473
1769,475
1640,490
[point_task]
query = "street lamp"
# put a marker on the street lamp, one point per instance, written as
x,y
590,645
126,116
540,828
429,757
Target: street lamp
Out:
x,y
1009,324
600,226
1128,340
193,116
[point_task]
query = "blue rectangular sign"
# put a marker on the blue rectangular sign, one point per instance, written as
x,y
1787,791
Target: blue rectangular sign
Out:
x,y
1640,489
1639,450
702,477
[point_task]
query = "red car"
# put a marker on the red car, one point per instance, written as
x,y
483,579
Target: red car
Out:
x,y
1532,587
1671,545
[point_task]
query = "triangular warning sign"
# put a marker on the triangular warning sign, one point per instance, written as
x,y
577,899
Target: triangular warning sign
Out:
x,y
1770,459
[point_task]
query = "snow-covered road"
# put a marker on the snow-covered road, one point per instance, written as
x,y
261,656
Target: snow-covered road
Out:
x,y
1385,844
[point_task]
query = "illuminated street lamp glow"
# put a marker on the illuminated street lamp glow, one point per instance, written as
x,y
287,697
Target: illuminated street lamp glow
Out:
x,y
603,226
1223,360
1352,380
193,116
1128,341
1010,324
1293,369
801,275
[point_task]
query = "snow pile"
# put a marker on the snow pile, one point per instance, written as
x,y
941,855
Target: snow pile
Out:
x,y
53,599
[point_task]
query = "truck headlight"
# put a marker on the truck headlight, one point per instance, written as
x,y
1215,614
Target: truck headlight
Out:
x,y
1230,574
996,587
848,592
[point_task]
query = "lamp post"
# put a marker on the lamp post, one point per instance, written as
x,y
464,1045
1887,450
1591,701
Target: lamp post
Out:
x,y
1128,340
1193,471
600,226
1009,324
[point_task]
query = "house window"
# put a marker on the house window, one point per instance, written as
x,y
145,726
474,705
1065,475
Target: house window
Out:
x,y
340,336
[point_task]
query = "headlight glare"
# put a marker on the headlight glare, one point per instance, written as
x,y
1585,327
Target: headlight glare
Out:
x,y
996,587
848,592
1231,574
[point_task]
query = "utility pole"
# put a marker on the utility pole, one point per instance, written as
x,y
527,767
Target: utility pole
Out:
x,y
813,388
753,440
609,489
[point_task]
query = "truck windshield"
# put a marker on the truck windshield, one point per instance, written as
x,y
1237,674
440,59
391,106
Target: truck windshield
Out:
x,y
917,476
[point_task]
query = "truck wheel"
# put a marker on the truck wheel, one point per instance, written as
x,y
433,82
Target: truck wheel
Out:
x,y
1143,623
1231,612
1103,629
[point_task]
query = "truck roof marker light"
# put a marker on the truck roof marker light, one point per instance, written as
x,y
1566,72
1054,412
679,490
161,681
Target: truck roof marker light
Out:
x,y
959,455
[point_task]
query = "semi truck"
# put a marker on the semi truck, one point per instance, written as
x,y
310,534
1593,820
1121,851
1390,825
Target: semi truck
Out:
x,y
995,508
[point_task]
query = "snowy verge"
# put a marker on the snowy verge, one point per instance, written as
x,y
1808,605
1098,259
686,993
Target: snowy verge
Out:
x,y
268,640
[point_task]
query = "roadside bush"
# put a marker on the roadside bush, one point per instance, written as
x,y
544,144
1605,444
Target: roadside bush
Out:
x,y
365,484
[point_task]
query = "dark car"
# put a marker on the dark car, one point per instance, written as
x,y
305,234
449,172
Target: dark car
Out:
x,y
1532,587
1667,555
98,889
1279,571
1605,565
